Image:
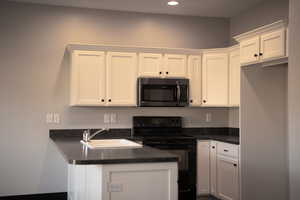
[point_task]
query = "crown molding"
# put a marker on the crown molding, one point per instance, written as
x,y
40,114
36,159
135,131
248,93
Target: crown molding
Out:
x,y
267,28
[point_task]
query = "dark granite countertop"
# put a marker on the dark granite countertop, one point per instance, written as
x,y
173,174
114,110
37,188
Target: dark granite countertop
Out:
x,y
229,135
220,138
76,153
68,142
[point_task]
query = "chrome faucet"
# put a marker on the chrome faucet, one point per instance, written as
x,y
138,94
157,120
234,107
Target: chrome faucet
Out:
x,y
86,137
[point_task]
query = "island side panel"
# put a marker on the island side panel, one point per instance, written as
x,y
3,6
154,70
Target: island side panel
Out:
x,y
84,182
145,181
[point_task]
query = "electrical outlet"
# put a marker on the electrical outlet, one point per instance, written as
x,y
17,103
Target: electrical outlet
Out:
x,y
113,118
56,118
208,117
115,187
49,118
106,119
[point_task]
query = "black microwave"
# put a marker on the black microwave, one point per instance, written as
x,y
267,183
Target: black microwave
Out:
x,y
161,92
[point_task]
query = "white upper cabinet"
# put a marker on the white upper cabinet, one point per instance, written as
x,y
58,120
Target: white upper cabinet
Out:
x,y
121,78
88,78
215,79
194,74
250,51
175,65
265,45
234,77
150,65
273,45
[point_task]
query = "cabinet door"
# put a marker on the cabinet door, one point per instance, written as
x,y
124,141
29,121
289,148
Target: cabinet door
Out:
x,y
194,74
175,65
140,181
234,77
121,78
150,65
88,78
215,79
227,179
203,148
273,45
249,51
213,168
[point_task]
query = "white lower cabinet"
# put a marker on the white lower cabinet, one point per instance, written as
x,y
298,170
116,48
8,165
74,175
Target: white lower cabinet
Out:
x,y
218,170
203,167
213,168
146,181
227,178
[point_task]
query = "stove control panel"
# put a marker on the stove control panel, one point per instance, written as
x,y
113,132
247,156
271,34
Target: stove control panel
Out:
x,y
156,122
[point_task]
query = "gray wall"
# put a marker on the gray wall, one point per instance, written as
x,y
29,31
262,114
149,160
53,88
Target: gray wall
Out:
x,y
265,13
34,76
263,115
264,167
234,117
294,99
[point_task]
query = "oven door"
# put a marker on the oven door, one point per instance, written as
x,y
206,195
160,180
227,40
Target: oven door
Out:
x,y
186,159
162,92
186,168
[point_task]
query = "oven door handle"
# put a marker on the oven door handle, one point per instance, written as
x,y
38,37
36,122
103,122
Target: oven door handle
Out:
x,y
186,190
178,92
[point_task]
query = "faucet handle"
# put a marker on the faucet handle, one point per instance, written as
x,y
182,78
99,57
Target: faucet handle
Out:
x,y
86,135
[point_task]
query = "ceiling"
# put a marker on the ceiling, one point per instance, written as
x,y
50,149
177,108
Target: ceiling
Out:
x,y
209,8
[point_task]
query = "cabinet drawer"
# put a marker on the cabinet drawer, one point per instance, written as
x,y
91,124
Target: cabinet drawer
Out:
x,y
227,149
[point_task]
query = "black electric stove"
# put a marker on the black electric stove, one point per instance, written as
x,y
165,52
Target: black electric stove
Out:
x,y
166,133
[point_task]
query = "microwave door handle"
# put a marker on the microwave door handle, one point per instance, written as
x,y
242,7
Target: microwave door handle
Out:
x,y
178,92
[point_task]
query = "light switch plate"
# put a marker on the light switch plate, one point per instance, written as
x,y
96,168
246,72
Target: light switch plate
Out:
x,y
49,118
208,117
115,187
113,118
56,118
106,119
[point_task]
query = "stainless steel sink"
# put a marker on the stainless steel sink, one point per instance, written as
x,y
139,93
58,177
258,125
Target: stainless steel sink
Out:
x,y
111,144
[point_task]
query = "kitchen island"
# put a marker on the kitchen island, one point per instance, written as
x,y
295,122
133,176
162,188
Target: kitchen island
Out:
x,y
117,174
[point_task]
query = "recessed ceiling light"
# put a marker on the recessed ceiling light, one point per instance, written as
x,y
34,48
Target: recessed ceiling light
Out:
x,y
173,3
